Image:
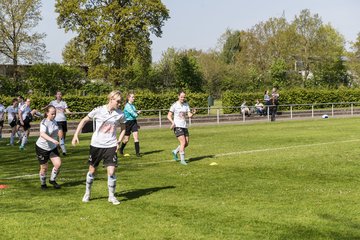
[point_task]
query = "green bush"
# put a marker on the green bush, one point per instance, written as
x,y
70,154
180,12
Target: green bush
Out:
x,y
144,101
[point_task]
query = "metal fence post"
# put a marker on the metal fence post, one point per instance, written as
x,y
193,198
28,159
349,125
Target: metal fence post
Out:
x,y
332,110
160,118
291,112
312,110
218,116
352,109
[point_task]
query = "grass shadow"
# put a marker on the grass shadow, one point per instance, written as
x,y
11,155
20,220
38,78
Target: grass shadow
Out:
x,y
200,158
137,193
152,152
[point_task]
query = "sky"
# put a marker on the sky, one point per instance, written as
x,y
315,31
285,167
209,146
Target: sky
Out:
x,y
199,24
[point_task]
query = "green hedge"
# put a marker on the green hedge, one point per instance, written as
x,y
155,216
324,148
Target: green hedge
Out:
x,y
143,101
295,96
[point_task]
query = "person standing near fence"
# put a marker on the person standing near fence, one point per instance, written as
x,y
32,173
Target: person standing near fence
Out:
x,y
103,144
274,102
46,148
61,109
131,125
178,111
2,114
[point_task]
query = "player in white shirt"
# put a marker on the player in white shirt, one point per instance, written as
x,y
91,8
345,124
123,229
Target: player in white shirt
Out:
x,y
104,145
179,110
12,116
19,129
25,117
46,148
2,114
61,109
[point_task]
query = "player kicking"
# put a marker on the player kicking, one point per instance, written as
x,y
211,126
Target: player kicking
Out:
x,y
104,145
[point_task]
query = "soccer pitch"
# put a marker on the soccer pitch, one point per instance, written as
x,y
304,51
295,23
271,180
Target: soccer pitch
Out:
x,y
280,180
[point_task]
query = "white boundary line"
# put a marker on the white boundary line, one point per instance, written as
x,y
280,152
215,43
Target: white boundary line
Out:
x,y
214,156
262,150
37,174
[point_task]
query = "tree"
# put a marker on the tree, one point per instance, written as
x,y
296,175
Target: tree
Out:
x,y
353,62
187,73
17,20
231,46
213,71
278,73
111,33
316,43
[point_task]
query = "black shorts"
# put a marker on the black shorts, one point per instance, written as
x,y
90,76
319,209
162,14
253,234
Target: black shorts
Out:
x,y
27,121
13,123
45,155
181,132
131,126
108,154
1,123
62,126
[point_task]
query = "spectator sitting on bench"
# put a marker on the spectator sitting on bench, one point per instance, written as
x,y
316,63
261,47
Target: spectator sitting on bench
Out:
x,y
259,107
245,110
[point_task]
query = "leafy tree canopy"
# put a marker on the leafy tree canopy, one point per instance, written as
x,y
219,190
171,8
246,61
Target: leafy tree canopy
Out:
x,y
114,33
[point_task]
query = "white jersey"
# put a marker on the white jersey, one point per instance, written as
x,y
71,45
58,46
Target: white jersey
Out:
x,y
2,112
51,129
11,113
60,110
106,123
180,111
25,110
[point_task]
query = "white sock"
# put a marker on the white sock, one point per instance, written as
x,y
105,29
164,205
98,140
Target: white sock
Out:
x,y
24,140
54,174
12,139
62,145
182,156
112,185
42,179
63,148
177,149
89,182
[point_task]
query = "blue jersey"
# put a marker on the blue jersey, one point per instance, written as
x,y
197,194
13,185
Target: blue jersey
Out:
x,y
130,112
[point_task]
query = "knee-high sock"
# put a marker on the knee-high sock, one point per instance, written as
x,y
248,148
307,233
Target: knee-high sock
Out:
x,y
137,147
177,149
54,174
24,140
112,185
62,145
42,179
122,147
12,136
182,156
89,182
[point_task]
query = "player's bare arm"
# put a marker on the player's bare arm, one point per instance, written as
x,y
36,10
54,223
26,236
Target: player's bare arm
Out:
x,y
169,117
82,123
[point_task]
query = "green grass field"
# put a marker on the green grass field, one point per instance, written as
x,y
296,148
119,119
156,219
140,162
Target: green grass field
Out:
x,y
280,180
